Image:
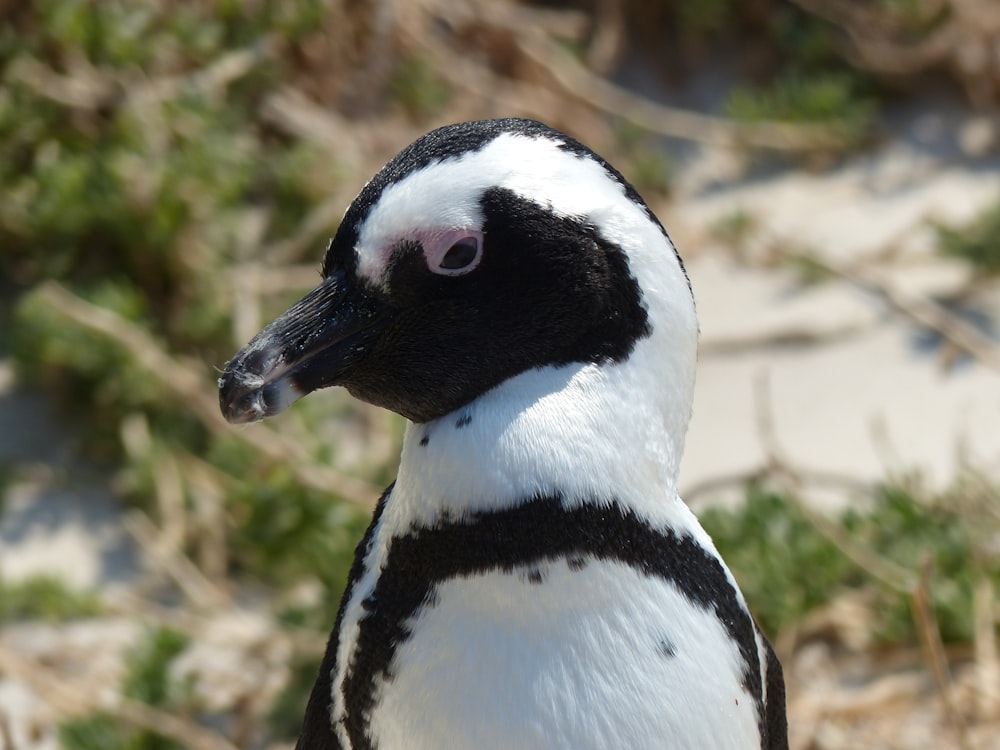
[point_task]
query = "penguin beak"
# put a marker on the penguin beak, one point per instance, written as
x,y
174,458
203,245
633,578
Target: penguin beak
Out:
x,y
308,347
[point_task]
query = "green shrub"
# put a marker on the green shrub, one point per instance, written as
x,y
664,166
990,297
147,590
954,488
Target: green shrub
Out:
x,y
45,598
978,242
787,567
147,680
799,97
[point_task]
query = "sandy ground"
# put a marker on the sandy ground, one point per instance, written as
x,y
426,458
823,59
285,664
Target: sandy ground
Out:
x,y
856,387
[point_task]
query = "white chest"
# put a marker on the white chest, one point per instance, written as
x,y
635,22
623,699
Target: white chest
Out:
x,y
582,654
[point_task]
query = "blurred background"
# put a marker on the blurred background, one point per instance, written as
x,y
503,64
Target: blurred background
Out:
x,y
170,173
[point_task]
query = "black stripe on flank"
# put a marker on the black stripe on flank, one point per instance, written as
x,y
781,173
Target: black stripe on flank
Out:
x,y
317,731
539,531
776,720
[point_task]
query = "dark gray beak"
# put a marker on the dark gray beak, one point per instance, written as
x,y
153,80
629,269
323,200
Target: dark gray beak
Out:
x,y
307,348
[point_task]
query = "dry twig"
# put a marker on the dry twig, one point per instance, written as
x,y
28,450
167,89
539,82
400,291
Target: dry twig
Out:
x,y
171,560
87,87
74,700
577,82
930,638
5,733
924,311
873,49
986,658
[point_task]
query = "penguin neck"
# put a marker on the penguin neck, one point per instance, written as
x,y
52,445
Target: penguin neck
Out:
x,y
584,433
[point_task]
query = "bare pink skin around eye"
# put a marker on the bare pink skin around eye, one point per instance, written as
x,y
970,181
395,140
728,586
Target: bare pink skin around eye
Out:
x,y
449,252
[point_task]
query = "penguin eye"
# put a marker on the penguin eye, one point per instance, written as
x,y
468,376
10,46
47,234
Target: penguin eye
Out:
x,y
454,253
461,254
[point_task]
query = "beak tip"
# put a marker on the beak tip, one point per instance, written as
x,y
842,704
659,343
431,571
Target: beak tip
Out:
x,y
240,398
307,348
246,397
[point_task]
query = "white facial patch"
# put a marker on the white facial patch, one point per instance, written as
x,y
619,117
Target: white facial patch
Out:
x,y
445,196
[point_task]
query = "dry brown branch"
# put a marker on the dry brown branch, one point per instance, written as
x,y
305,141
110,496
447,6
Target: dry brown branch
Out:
x,y
578,83
268,280
610,36
514,17
90,88
244,293
85,88
5,734
296,114
986,658
170,504
316,226
479,81
888,693
926,312
163,556
74,700
916,586
354,150
930,639
881,39
961,334
193,623
189,385
792,334
199,481
210,538
873,49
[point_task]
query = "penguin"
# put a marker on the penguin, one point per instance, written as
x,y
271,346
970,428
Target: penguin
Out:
x,y
531,579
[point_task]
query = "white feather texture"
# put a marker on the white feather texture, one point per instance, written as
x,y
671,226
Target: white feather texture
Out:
x,y
569,678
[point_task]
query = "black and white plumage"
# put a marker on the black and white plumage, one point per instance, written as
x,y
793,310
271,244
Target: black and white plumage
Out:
x,y
532,579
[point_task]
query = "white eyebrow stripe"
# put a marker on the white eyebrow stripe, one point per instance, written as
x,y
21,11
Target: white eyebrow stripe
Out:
x,y
445,195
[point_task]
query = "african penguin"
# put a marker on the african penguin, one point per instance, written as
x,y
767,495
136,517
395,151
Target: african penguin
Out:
x,y
531,579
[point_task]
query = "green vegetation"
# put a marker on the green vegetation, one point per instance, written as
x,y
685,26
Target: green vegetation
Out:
x,y
793,59
647,164
788,567
784,565
735,229
978,242
140,163
45,598
418,89
809,269
136,193
147,680
285,717
833,98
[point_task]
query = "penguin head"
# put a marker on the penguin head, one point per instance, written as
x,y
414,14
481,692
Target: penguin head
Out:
x,y
481,251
